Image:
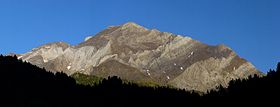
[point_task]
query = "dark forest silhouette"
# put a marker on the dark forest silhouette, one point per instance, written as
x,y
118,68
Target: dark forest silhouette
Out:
x,y
23,84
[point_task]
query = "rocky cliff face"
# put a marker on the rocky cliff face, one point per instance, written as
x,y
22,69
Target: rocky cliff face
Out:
x,y
135,53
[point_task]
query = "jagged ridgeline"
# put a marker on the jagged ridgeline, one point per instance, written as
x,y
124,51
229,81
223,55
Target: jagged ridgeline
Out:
x,y
23,84
135,53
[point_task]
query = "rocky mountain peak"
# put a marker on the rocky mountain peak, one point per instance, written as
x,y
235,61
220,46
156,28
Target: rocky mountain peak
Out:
x,y
135,53
131,25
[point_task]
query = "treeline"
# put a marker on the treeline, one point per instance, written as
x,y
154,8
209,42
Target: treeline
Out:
x,y
23,84
255,90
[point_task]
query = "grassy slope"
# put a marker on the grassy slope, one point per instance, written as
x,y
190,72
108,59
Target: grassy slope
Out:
x,y
94,80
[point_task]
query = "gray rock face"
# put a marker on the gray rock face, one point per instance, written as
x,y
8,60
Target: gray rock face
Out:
x,y
133,52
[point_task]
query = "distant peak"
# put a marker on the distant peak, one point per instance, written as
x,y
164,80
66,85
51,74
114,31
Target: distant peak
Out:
x,y
131,25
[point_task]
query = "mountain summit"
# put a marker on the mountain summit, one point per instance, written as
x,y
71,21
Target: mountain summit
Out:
x,y
136,53
132,25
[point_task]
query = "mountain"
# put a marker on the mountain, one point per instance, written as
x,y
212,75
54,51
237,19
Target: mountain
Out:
x,y
135,53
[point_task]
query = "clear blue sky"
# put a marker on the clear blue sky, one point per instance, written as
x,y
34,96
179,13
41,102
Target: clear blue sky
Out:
x,y
250,27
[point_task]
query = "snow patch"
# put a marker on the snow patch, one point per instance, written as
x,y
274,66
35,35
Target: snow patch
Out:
x,y
44,60
148,73
167,77
19,57
68,67
87,38
181,68
192,53
175,64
